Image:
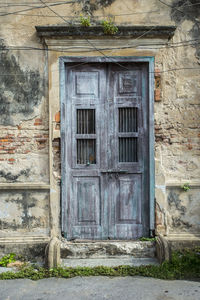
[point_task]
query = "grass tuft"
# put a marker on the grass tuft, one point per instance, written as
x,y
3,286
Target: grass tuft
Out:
x,y
183,265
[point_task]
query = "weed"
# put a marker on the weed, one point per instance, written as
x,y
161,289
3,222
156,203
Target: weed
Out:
x,y
185,187
183,265
85,22
147,239
109,27
7,259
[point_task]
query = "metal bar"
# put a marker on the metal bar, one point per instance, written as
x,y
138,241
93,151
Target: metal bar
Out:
x,y
86,136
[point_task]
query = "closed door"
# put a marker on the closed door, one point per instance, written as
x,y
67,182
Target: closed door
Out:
x,y
105,177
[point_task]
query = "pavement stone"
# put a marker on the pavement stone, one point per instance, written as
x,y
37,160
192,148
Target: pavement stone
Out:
x,y
4,269
99,288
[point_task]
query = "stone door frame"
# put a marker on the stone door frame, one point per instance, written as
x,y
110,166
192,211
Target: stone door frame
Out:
x,y
117,59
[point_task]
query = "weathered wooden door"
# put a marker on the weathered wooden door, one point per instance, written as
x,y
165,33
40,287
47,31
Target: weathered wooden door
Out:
x,y
105,190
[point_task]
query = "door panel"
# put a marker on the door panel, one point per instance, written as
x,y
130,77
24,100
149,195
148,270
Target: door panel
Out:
x,y
128,140
86,207
125,206
128,200
85,112
86,83
107,152
87,200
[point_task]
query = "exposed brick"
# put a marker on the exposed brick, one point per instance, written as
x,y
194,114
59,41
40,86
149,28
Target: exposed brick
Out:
x,y
189,146
157,95
11,151
157,72
38,122
26,151
57,117
57,127
157,91
11,159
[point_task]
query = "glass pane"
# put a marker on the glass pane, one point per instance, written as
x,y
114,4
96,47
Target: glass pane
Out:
x,y
128,150
128,120
85,121
86,151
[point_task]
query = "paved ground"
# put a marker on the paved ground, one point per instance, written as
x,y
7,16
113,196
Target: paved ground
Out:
x,y
99,288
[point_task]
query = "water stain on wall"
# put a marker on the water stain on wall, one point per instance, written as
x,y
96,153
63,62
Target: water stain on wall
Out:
x,y
188,10
12,178
174,201
30,214
20,91
89,6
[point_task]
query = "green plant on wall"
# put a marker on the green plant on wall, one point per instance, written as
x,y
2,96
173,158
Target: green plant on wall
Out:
x,y
85,21
147,239
109,27
185,187
7,259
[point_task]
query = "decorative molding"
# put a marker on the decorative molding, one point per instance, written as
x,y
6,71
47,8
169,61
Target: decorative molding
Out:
x,y
82,45
24,239
59,31
184,236
24,186
192,184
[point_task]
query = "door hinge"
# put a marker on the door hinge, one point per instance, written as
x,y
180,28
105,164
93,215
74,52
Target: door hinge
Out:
x,y
152,233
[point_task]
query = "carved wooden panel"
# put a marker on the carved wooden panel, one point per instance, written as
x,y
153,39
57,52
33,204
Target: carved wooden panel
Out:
x,y
129,200
86,83
87,200
127,82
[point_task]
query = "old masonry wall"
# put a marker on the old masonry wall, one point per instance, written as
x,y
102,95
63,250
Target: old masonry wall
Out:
x,y
30,122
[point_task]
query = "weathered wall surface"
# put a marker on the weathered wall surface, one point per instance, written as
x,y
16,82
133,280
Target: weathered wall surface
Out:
x,y
27,157
24,212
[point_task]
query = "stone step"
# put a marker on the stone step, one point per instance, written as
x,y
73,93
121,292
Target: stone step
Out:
x,y
107,249
5,269
108,262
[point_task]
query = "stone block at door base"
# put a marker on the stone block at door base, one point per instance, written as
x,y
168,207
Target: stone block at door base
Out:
x,y
106,249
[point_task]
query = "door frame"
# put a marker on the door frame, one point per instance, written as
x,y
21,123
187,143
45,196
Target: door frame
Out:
x,y
115,59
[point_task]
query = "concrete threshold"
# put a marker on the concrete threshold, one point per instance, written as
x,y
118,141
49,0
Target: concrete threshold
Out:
x,y
108,262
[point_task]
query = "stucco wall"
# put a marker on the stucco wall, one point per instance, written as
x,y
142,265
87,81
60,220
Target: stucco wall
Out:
x,y
26,155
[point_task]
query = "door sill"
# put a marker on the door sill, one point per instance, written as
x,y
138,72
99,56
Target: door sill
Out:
x,y
107,249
